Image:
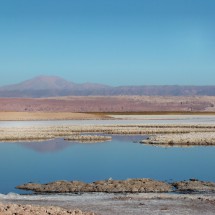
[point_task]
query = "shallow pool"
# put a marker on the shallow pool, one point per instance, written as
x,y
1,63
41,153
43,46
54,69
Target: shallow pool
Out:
x,y
121,158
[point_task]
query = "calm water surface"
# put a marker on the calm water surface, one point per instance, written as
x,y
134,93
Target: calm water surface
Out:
x,y
121,158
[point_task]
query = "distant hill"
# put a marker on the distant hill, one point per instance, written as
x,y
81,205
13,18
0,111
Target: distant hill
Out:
x,y
51,86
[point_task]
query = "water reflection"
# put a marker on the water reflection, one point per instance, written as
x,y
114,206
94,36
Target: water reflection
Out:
x,y
50,146
119,159
56,145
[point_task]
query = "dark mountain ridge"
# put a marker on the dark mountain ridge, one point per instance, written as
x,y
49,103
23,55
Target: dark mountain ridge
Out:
x,y
52,86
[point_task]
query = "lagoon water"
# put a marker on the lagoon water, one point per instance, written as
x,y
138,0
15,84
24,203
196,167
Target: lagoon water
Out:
x,y
121,158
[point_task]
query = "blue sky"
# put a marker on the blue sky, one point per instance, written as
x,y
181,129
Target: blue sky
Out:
x,y
116,42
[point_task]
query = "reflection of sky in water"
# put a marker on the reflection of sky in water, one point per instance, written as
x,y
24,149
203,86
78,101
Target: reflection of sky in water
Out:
x,y
119,159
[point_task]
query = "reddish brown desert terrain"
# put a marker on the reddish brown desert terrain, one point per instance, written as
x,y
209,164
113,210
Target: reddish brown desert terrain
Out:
x,y
109,104
95,107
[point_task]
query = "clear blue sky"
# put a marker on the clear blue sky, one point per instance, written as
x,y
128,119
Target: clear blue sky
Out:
x,y
116,42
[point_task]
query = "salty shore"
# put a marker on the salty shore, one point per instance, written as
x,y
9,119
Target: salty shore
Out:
x,y
189,134
185,139
132,196
120,204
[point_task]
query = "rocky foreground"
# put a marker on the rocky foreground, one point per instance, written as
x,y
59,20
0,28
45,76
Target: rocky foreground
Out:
x,y
17,209
120,186
110,203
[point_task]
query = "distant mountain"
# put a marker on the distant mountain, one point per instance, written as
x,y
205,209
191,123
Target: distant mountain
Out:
x,y
50,86
40,83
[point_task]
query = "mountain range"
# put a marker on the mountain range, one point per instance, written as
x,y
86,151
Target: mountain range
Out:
x,y
53,86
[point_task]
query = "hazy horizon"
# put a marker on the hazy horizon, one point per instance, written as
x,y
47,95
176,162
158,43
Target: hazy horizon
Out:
x,y
141,42
111,85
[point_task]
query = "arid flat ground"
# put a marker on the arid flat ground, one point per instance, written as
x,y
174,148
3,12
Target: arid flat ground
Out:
x,y
109,104
27,116
98,107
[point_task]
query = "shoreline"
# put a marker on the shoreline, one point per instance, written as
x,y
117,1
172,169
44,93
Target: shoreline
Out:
x,y
103,203
121,204
169,134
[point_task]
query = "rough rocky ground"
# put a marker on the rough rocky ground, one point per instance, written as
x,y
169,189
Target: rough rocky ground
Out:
x,y
142,185
17,209
194,185
125,204
108,186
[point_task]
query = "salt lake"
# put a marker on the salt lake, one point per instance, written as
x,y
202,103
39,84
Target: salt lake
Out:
x,y
121,158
